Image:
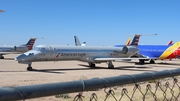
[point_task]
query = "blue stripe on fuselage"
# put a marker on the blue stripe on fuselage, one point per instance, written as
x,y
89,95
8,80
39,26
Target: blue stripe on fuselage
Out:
x,y
152,51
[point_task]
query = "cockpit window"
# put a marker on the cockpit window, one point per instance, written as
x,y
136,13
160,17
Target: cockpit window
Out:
x,y
31,53
37,48
42,49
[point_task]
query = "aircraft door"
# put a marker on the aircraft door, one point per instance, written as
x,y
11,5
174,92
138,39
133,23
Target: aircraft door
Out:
x,y
49,52
43,53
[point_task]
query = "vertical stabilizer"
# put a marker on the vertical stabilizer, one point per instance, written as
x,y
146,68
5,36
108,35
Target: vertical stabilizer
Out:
x,y
128,41
77,42
135,40
30,43
170,42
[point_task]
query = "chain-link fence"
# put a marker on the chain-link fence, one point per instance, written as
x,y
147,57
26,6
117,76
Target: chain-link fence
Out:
x,y
149,86
156,90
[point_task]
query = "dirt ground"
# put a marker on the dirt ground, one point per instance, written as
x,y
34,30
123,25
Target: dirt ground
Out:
x,y
14,74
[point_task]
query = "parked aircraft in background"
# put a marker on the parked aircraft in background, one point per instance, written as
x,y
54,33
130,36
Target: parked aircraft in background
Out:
x,y
170,42
155,52
128,41
89,54
16,49
77,42
1,11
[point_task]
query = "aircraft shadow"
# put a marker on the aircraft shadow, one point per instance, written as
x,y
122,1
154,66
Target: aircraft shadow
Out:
x,y
13,71
8,59
55,70
35,70
168,64
130,68
47,71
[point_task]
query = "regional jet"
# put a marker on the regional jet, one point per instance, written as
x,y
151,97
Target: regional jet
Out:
x,y
89,54
16,49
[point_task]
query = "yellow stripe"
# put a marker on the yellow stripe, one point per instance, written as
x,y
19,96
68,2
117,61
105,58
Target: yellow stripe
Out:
x,y
128,41
170,50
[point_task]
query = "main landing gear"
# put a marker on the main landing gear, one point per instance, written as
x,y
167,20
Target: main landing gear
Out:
x,y
92,65
152,61
142,61
110,65
29,68
1,57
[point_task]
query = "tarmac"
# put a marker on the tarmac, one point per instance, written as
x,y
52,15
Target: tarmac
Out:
x,y
14,74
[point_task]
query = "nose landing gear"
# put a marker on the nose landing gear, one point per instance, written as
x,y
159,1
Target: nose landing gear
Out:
x,y
29,68
1,57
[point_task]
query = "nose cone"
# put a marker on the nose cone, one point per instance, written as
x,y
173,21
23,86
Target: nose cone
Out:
x,y
25,57
20,57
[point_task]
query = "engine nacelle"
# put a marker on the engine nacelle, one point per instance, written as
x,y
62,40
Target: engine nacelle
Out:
x,y
15,47
131,50
20,48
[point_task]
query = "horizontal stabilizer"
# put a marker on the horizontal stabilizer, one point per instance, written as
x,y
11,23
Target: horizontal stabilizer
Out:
x,y
9,53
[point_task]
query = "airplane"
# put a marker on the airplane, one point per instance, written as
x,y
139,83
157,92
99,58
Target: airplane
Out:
x,y
1,11
77,42
16,49
170,42
155,52
128,41
90,54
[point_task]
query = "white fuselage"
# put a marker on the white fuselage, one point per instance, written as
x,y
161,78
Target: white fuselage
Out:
x,y
86,53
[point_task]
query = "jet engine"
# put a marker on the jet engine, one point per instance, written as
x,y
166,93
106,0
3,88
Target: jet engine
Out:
x,y
130,50
20,48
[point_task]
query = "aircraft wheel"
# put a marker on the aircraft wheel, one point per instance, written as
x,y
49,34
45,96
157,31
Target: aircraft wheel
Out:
x,y
141,61
1,57
92,65
29,69
111,66
152,61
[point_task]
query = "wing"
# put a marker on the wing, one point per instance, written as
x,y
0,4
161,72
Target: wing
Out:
x,y
9,53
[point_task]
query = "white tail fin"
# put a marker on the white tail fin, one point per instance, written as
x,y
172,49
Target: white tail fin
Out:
x,y
77,42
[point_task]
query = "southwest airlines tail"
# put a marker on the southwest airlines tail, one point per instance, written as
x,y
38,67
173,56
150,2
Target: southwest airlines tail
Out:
x,y
170,42
128,41
30,43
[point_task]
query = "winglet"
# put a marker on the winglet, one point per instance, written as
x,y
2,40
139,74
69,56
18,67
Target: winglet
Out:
x,y
30,43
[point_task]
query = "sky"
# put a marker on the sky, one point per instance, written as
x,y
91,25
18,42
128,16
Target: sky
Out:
x,y
97,22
